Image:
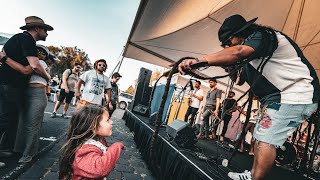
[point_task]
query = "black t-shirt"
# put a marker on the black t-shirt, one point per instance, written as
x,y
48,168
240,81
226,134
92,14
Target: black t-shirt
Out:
x,y
114,93
228,104
18,48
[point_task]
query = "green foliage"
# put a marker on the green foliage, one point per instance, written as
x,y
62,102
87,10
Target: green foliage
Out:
x,y
68,56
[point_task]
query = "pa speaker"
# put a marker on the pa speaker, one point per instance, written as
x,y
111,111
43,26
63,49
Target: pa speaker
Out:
x,y
182,133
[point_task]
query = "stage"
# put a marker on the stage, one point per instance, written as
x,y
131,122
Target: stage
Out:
x,y
203,161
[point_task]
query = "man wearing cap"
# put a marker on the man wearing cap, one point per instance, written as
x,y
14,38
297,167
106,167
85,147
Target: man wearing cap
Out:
x,y
96,84
22,49
278,73
114,99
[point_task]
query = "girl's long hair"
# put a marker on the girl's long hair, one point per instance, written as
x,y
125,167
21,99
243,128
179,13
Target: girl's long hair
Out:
x,y
81,127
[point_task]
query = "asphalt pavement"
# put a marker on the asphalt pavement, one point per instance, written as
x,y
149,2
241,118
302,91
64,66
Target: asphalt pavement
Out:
x,y
52,136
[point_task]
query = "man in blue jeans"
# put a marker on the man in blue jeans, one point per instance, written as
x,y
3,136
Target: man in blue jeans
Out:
x,y
278,74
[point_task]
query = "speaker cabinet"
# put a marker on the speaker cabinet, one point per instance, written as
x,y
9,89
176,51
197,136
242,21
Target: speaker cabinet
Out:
x,y
182,133
140,102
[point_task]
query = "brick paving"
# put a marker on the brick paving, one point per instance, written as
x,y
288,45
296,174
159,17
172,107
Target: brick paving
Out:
x,y
129,167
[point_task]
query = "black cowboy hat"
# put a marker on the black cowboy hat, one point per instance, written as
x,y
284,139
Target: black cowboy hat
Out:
x,y
233,25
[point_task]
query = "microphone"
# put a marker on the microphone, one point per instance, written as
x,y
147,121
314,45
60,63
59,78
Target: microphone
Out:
x,y
191,85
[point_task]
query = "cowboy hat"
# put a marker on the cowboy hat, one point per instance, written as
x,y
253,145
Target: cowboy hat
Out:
x,y
233,25
34,21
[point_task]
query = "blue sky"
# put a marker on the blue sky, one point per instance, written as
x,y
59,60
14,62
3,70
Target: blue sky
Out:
x,y
99,27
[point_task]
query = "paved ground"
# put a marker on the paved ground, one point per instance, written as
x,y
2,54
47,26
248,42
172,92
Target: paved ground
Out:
x,y
129,167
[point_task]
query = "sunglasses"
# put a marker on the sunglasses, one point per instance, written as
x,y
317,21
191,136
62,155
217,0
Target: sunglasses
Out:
x,y
43,53
227,43
103,65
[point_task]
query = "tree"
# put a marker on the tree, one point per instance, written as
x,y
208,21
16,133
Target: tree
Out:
x,y
155,76
68,56
130,90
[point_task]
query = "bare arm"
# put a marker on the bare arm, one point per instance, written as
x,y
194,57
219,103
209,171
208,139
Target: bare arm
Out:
x,y
224,57
27,70
36,66
229,55
78,85
109,95
64,82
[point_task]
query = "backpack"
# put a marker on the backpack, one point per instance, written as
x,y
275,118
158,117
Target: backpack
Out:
x,y
59,87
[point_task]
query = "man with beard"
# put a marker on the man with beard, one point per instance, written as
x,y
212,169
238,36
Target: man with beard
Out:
x,y
196,97
212,104
20,48
96,84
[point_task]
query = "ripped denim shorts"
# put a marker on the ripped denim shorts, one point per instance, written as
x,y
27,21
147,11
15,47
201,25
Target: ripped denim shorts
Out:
x,y
276,121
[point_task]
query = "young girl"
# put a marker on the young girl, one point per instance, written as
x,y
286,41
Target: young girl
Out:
x,y
86,154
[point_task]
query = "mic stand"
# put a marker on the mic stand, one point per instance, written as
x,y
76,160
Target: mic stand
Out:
x,y
316,121
180,103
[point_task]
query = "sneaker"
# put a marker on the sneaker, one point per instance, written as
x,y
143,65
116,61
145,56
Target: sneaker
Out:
x,y
246,175
64,116
53,115
25,159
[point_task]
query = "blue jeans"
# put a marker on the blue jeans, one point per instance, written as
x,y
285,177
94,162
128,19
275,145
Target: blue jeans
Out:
x,y
276,121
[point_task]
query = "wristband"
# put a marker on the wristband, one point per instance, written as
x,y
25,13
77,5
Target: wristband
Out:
x,y
197,59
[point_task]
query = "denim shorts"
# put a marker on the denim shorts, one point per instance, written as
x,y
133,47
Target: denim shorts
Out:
x,y
276,121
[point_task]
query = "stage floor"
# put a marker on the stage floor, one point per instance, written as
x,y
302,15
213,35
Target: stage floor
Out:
x,y
206,156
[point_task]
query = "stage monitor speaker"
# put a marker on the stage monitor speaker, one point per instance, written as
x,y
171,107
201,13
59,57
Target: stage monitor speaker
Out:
x,y
183,134
141,109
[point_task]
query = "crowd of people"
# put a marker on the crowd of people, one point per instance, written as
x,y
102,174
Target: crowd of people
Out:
x,y
24,81
279,75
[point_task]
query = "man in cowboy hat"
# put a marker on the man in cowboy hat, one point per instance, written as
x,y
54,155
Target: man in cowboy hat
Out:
x,y
278,74
22,49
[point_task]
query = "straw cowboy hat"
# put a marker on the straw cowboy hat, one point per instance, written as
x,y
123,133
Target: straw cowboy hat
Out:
x,y
34,21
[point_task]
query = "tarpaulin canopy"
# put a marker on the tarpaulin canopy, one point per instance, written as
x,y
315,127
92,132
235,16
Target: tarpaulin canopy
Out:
x,y
165,31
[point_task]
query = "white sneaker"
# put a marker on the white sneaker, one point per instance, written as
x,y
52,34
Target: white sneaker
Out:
x,y
246,175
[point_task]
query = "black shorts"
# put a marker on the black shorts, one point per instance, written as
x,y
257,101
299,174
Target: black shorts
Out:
x,y
67,96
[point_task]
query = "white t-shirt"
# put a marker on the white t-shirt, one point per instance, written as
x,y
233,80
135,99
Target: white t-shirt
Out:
x,y
195,101
94,87
35,78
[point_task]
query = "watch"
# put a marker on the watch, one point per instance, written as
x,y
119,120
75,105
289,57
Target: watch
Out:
x,y
3,59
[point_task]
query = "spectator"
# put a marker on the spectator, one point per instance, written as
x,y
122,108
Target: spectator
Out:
x,y
31,116
114,99
96,84
69,80
86,154
22,49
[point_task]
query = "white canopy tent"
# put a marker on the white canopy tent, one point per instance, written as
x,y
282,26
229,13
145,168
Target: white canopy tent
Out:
x,y
167,30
